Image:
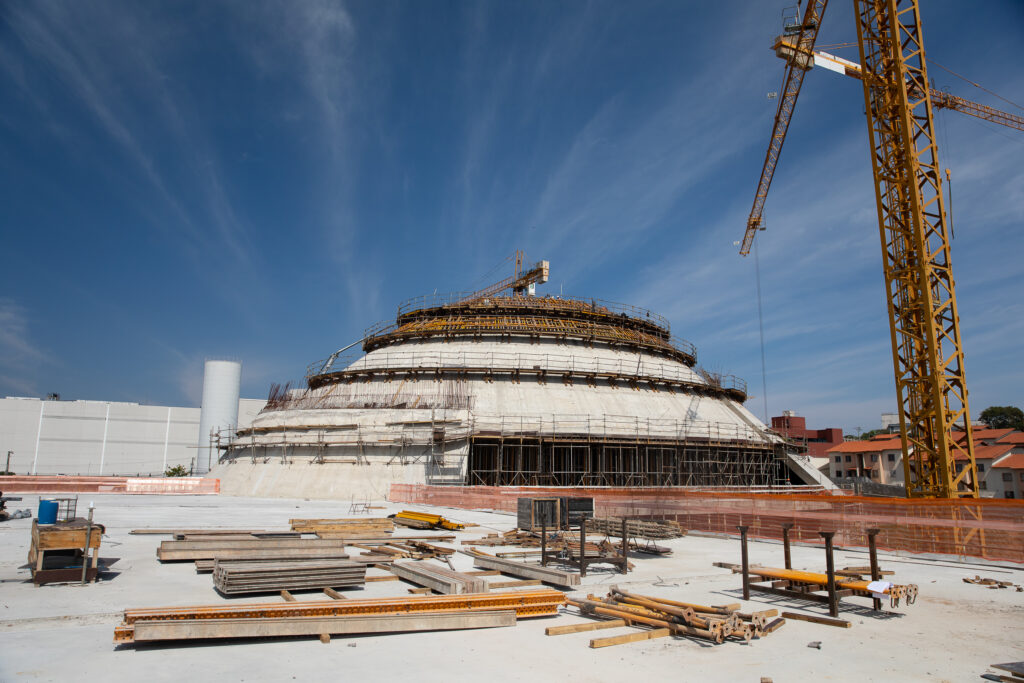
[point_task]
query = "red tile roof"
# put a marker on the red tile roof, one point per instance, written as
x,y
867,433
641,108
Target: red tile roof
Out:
x,y
987,452
873,446
984,433
1011,462
1014,438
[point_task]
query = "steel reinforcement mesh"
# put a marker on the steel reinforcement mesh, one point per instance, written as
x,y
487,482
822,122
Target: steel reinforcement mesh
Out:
x,y
988,529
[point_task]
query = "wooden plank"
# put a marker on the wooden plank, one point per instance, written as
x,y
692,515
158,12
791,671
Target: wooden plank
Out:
x,y
382,578
513,584
773,626
581,628
545,574
827,621
484,572
630,637
331,593
288,597
184,629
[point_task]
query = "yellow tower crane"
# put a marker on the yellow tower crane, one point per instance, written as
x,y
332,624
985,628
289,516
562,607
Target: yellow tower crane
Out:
x,y
925,328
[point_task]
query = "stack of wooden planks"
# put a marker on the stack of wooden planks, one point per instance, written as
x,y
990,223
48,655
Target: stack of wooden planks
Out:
x,y
250,549
636,528
239,578
325,618
438,578
369,526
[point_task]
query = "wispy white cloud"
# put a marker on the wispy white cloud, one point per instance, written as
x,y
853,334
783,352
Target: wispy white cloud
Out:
x,y
20,355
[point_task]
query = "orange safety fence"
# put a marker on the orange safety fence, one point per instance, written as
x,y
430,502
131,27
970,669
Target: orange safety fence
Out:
x,y
75,484
991,529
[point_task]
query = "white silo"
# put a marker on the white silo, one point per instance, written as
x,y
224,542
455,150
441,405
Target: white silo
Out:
x,y
219,412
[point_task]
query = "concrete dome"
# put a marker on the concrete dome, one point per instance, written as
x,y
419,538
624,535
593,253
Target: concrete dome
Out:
x,y
516,390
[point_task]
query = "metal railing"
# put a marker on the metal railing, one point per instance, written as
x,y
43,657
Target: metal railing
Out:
x,y
641,367
590,305
456,425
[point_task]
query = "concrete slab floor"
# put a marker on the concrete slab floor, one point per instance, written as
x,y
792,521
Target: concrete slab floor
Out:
x,y
57,632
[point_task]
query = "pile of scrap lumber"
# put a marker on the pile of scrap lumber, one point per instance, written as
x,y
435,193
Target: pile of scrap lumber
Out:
x,y
515,537
670,617
406,549
333,617
439,579
636,528
326,528
239,578
993,583
423,520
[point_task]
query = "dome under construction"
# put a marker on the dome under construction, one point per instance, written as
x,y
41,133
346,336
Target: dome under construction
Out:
x,y
500,387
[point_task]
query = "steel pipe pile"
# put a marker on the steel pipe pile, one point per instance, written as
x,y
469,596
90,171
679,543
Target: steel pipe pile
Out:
x,y
857,586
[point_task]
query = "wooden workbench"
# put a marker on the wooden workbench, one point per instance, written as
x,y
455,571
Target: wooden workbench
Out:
x,y
70,535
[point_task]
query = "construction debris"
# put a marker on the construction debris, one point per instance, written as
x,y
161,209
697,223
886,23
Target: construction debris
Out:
x,y
238,578
423,520
668,617
993,583
246,620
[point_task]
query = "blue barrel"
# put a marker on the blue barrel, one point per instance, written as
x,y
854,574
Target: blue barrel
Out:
x,y
47,512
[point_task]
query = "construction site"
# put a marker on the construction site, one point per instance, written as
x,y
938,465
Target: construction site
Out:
x,y
512,483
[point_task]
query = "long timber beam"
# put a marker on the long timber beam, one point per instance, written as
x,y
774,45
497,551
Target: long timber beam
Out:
x,y
526,604
202,629
522,570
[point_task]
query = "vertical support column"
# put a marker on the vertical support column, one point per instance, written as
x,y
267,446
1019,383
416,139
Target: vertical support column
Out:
x,y
876,573
544,543
785,544
830,567
88,543
743,561
583,546
625,548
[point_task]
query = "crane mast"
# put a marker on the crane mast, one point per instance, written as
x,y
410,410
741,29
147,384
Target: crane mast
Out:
x,y
805,36
924,325
921,295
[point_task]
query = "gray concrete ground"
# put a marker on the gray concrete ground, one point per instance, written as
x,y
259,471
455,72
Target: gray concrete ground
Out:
x,y
60,632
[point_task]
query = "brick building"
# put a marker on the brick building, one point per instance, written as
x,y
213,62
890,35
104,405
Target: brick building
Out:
x,y
818,441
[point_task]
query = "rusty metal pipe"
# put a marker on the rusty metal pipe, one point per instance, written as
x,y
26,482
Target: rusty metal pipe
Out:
x,y
678,629
726,611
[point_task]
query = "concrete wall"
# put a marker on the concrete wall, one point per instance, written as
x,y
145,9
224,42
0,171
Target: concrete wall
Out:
x,y
100,437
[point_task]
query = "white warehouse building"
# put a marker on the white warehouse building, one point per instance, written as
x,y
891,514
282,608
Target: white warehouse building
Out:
x,y
102,437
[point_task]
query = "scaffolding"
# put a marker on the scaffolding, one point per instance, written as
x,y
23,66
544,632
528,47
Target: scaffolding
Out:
x,y
554,450
523,461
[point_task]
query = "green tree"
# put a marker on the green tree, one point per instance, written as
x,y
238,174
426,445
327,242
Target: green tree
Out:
x,y
176,471
1003,417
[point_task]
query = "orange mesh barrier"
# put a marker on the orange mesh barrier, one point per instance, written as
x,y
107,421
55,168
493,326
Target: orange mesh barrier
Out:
x,y
151,485
991,529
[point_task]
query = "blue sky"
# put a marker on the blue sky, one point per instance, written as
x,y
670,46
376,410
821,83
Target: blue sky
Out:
x,y
263,180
